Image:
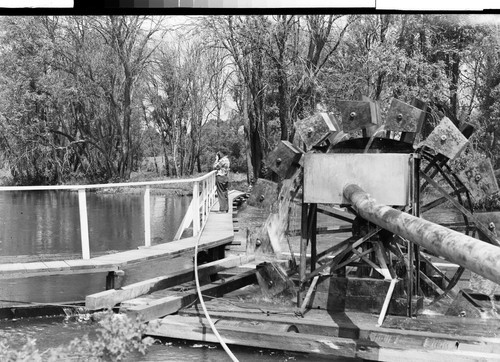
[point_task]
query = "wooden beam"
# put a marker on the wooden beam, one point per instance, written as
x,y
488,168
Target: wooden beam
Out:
x,y
323,230
471,334
308,295
336,213
333,249
339,256
109,298
197,329
171,304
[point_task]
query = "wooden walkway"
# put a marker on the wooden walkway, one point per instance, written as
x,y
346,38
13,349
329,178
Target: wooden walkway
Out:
x,y
218,231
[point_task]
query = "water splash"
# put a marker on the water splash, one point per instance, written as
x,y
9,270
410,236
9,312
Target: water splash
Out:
x,y
372,138
277,223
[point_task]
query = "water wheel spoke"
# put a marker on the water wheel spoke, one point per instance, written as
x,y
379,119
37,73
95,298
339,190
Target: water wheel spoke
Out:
x,y
488,234
440,201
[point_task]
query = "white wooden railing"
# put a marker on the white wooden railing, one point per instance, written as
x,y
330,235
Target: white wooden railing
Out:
x,y
197,214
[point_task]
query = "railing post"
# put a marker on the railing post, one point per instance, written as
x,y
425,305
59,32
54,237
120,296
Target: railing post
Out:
x,y
84,224
147,217
211,187
196,208
205,201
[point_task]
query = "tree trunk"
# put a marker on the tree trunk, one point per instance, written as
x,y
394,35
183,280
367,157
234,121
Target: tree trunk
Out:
x,y
246,121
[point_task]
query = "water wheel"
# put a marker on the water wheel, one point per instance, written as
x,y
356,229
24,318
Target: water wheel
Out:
x,y
358,127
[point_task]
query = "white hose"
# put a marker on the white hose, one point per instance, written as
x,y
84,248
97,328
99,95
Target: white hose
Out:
x,y
198,290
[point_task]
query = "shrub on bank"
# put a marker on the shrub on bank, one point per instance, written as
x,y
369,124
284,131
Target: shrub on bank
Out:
x,y
117,336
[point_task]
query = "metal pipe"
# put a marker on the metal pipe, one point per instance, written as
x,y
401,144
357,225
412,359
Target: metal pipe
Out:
x,y
476,255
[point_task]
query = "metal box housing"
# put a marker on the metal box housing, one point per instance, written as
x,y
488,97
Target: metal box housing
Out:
x,y
385,176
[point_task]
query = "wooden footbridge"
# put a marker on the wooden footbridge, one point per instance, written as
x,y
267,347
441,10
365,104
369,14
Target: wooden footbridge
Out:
x,y
212,231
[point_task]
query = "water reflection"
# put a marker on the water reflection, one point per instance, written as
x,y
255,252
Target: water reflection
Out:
x,y
47,222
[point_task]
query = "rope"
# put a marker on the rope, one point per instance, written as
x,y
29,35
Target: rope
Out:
x,y
200,297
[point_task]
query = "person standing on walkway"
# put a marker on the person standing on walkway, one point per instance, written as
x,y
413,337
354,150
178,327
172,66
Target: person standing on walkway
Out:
x,y
222,180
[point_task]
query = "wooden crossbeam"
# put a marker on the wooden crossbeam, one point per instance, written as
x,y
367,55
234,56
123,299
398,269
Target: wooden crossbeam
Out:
x,y
336,213
341,254
333,249
385,265
433,267
433,285
358,255
171,304
109,298
323,230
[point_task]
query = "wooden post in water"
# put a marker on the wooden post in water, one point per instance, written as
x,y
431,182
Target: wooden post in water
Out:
x,y
147,217
196,208
84,224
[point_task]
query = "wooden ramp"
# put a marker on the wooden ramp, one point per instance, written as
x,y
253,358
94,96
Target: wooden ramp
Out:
x,y
348,334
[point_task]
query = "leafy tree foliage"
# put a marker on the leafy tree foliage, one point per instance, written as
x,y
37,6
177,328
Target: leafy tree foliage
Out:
x,y
87,97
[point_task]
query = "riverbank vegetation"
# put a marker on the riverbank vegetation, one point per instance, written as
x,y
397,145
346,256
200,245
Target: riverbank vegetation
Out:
x,y
97,98
115,338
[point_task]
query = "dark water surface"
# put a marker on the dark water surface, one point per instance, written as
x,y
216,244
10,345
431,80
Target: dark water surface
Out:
x,y
48,222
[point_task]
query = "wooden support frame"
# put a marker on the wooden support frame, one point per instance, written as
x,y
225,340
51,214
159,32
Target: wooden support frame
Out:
x,y
334,264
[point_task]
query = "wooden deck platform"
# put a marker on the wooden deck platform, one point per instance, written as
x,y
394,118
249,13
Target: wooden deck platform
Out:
x,y
347,334
218,231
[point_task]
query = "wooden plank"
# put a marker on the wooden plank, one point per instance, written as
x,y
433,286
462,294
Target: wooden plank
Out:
x,y
194,328
427,331
12,268
487,330
323,230
172,304
57,265
336,326
392,353
336,213
35,267
109,298
333,249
